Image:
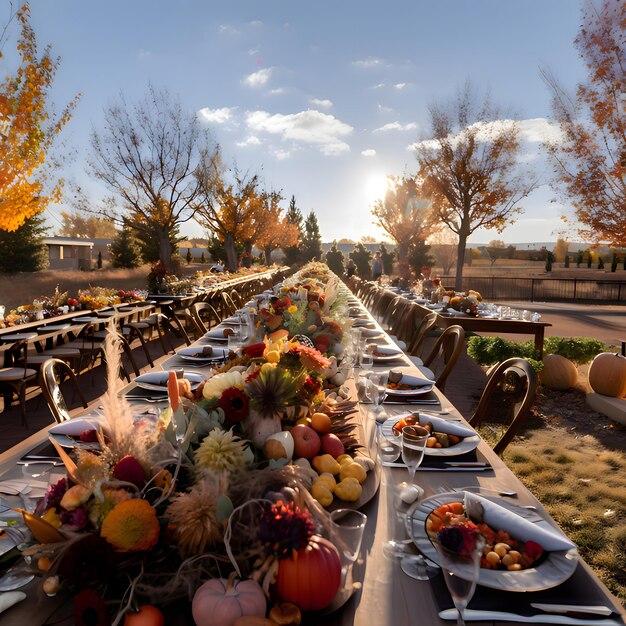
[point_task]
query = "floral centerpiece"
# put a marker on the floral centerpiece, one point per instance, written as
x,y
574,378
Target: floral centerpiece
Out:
x,y
467,302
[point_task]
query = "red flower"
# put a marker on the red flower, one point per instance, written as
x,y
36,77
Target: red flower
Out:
x,y
533,549
89,609
235,404
255,350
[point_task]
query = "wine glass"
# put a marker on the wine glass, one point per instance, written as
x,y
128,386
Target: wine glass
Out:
x,y
378,389
414,440
461,571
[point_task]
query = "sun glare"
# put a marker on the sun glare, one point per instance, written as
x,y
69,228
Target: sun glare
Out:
x,y
375,187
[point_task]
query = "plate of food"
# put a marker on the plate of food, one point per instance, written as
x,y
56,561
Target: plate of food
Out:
x,y
382,354
202,354
447,438
219,334
157,381
371,333
401,384
523,552
80,432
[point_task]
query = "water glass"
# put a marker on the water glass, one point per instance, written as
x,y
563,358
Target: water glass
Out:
x,y
414,440
378,387
366,360
364,388
461,574
346,532
389,448
234,340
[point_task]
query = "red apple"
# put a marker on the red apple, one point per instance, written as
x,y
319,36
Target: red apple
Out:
x,y
306,441
331,444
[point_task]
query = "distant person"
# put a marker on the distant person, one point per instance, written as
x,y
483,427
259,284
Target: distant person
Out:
x,y
351,268
217,267
377,266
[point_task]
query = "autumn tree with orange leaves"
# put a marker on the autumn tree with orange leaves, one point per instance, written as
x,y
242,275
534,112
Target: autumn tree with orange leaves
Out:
x,y
227,206
405,215
272,228
470,168
28,128
590,158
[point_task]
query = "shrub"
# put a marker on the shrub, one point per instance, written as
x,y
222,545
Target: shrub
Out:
x,y
578,349
490,350
334,259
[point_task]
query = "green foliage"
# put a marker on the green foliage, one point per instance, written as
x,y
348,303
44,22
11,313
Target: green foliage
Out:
x,y
203,258
418,256
578,349
149,244
23,250
362,258
387,258
99,262
311,247
550,258
490,350
124,250
218,251
335,259
294,216
188,256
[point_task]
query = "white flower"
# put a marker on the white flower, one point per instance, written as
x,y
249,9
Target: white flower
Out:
x,y
214,387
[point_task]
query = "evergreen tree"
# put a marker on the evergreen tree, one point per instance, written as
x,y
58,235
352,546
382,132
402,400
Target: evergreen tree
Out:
x,y
550,258
149,246
362,258
580,257
203,258
294,216
99,261
23,250
312,240
387,258
124,250
418,257
335,259
188,256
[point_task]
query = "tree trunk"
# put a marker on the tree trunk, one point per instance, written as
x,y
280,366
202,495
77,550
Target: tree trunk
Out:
x,y
460,260
268,255
231,253
165,250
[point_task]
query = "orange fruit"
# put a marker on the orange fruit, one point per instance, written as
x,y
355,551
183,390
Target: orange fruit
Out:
x,y
304,420
320,423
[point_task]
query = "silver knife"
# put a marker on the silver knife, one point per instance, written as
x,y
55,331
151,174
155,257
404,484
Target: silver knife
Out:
x,y
542,618
572,608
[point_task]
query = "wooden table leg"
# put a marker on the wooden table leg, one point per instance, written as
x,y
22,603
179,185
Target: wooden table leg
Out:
x,y
539,331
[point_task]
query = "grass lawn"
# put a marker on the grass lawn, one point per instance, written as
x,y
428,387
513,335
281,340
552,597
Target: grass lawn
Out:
x,y
574,461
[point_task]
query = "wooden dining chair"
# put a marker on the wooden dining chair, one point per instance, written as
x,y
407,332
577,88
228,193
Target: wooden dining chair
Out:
x,y
51,375
15,377
204,316
506,401
445,354
422,328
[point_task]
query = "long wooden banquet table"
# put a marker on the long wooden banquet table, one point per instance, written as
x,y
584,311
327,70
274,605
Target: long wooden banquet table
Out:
x,y
383,594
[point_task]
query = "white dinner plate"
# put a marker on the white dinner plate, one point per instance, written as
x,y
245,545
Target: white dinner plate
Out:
x,y
469,442
157,381
363,323
554,568
369,333
217,334
232,321
196,355
420,385
387,354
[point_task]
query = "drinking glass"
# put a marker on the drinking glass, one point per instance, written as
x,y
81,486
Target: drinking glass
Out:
x,y
346,534
378,389
364,388
389,448
461,574
366,360
234,340
414,440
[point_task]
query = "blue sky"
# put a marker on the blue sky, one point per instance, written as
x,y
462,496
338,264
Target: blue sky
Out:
x,y
321,99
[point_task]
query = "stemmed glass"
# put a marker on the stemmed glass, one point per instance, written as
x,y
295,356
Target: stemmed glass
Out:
x,y
378,389
414,440
461,571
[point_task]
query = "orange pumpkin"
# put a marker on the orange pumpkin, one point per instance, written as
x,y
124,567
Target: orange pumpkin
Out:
x,y
558,372
312,577
607,375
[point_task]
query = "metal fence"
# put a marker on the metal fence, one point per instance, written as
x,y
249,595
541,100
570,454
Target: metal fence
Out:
x,y
544,289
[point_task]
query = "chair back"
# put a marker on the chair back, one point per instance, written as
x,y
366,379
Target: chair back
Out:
x,y
423,326
50,378
203,316
445,354
507,399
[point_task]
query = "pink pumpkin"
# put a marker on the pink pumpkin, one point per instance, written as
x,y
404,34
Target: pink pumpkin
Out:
x,y
220,602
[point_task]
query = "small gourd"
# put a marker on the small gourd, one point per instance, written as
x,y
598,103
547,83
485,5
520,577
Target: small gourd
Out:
x,y
607,375
325,463
220,602
349,490
352,470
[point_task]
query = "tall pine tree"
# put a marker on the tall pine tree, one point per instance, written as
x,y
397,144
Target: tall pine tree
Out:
x,y
311,240
125,250
23,250
294,216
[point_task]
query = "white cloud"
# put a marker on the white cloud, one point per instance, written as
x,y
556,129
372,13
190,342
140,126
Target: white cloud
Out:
x,y
225,29
369,62
253,51
258,79
370,152
252,140
534,131
323,104
310,126
277,92
378,86
281,155
384,109
256,23
216,116
400,86
144,54
396,126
